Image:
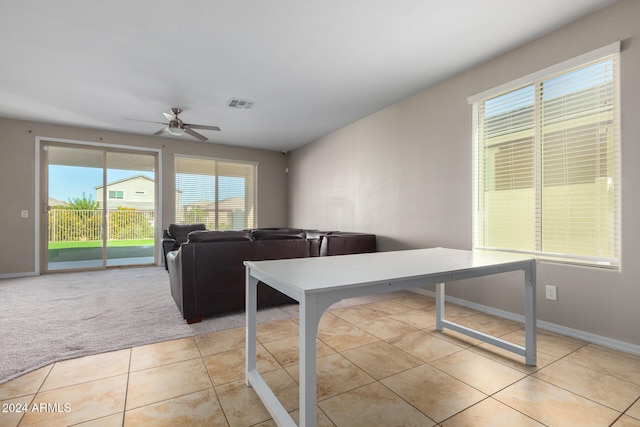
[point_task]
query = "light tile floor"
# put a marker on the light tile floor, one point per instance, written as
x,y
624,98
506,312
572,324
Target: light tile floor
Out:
x,y
380,363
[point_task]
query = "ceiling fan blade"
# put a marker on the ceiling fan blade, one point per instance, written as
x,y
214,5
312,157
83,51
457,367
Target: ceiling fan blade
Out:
x,y
169,116
147,121
195,134
161,131
202,127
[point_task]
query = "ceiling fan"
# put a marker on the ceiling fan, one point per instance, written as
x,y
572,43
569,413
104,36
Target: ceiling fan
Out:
x,y
177,127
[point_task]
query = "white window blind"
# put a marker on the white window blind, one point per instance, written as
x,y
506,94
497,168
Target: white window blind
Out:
x,y
546,163
218,193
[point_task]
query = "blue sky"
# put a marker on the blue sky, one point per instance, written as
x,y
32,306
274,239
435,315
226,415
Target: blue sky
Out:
x,y
561,85
69,182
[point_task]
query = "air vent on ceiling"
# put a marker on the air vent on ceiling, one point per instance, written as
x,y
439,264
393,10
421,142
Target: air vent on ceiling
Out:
x,y
240,104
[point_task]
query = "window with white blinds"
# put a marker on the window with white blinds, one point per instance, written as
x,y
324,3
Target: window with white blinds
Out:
x,y
546,163
218,193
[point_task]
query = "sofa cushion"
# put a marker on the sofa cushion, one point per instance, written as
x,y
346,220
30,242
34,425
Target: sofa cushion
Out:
x,y
218,236
278,234
314,237
179,232
341,243
317,234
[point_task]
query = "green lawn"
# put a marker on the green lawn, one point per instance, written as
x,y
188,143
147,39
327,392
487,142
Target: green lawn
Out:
x,y
98,244
92,250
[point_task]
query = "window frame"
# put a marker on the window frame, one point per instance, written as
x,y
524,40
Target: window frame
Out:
x,y
116,193
479,169
251,200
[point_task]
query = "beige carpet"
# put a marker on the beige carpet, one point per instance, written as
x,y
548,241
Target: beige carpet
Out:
x,y
54,317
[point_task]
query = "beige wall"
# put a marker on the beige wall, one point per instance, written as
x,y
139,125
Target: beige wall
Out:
x,y
17,180
404,173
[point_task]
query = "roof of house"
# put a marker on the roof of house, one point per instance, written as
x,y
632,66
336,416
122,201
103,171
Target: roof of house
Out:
x,y
131,178
55,202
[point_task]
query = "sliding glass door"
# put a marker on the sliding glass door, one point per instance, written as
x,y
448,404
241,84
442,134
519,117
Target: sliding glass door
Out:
x,y
99,205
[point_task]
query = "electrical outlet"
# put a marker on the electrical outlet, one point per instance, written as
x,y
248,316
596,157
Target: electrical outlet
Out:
x,y
24,214
552,292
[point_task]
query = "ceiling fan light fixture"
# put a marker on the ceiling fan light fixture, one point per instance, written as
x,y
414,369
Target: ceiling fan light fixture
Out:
x,y
175,131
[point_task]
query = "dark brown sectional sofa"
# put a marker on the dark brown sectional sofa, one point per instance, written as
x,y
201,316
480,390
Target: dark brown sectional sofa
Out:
x,y
207,274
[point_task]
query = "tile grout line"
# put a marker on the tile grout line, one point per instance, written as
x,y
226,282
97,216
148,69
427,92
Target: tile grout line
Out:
x,y
627,410
591,369
213,387
32,400
126,390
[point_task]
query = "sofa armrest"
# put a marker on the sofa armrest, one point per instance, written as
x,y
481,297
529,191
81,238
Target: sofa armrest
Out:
x,y
168,244
182,282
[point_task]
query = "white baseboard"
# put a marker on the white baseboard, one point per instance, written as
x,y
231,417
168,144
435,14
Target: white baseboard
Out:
x,y
547,326
16,275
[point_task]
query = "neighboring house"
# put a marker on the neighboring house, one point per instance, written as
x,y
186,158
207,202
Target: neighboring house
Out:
x,y
55,202
232,213
137,192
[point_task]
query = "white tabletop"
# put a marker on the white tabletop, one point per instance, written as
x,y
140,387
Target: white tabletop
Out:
x,y
308,275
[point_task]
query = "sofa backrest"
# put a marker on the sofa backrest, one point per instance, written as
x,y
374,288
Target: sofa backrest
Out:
x,y
179,232
278,243
282,249
218,236
278,234
266,246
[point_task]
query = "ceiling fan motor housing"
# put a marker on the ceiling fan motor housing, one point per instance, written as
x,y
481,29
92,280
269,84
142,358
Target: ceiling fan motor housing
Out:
x,y
177,123
175,127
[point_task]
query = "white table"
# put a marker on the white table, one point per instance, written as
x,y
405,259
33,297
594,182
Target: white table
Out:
x,y
317,283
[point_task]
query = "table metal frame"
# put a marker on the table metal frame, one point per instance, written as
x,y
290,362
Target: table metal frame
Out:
x,y
317,283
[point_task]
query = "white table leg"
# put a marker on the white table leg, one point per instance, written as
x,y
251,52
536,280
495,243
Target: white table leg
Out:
x,y
251,304
530,314
439,306
309,319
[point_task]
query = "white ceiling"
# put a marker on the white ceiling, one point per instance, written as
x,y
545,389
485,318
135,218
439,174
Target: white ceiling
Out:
x,y
310,67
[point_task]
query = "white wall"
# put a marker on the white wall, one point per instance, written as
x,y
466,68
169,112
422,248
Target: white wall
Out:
x,y
404,173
